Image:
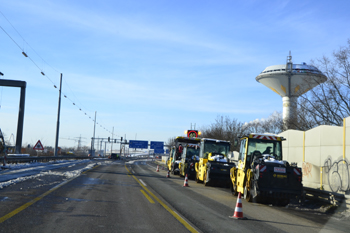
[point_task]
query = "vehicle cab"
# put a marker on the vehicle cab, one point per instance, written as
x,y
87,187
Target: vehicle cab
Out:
x,y
189,156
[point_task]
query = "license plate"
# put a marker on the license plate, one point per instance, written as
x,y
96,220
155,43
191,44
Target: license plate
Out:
x,y
279,169
224,170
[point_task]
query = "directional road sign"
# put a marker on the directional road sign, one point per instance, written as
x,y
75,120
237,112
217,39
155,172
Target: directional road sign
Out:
x,y
159,151
157,145
138,144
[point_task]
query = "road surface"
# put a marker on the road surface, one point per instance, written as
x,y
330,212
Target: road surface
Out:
x,y
130,196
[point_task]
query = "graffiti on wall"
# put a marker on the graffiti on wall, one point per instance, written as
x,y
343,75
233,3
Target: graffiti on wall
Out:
x,y
307,168
337,174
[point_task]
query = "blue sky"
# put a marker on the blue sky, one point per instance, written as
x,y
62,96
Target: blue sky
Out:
x,y
151,68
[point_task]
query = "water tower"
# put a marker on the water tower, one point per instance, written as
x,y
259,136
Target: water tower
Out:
x,y
290,81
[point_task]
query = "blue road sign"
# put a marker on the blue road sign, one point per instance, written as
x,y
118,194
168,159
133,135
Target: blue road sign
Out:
x,y
157,145
138,144
167,151
159,151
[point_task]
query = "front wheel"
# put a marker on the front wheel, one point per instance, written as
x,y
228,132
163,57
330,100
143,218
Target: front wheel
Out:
x,y
197,177
181,173
234,189
246,195
255,196
205,179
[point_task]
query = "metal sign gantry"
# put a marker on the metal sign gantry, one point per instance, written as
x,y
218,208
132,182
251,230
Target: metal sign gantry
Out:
x,y
22,85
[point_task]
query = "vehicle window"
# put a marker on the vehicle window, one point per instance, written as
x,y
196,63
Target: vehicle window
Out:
x,y
265,147
184,152
241,150
191,151
214,147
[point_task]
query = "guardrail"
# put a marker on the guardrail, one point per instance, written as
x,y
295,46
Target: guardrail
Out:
x,y
325,196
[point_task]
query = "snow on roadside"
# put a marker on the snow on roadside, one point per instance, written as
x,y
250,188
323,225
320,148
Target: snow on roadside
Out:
x,y
67,174
36,164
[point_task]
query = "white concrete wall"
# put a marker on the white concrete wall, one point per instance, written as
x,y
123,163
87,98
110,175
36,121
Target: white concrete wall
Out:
x,y
319,152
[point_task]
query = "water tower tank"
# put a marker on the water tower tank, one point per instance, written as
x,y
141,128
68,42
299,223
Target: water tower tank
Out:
x,y
290,81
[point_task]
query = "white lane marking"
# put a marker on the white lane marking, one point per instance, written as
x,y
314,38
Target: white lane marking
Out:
x,y
142,182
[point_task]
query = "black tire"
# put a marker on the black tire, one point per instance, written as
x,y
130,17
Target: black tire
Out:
x,y
246,195
172,169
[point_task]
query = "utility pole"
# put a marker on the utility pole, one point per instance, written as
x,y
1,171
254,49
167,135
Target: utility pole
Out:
x,y
112,141
58,117
93,138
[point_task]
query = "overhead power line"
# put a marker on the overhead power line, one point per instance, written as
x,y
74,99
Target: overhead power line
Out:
x,y
41,70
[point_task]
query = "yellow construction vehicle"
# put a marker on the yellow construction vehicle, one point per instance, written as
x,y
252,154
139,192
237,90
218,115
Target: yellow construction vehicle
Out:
x,y
261,174
213,167
171,158
189,156
176,153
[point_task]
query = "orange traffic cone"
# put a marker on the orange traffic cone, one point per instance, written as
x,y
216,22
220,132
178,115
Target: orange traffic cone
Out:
x,y
186,181
157,168
168,175
238,214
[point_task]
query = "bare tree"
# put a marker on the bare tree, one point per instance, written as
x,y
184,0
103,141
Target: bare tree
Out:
x,y
329,102
224,128
273,124
171,142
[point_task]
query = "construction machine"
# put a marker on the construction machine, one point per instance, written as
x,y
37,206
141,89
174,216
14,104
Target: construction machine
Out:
x,y
213,167
176,152
171,157
189,156
262,174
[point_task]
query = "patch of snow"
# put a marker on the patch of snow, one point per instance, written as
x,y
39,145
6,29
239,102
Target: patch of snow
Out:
x,y
21,169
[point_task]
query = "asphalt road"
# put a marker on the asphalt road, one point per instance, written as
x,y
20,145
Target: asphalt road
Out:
x,y
133,197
